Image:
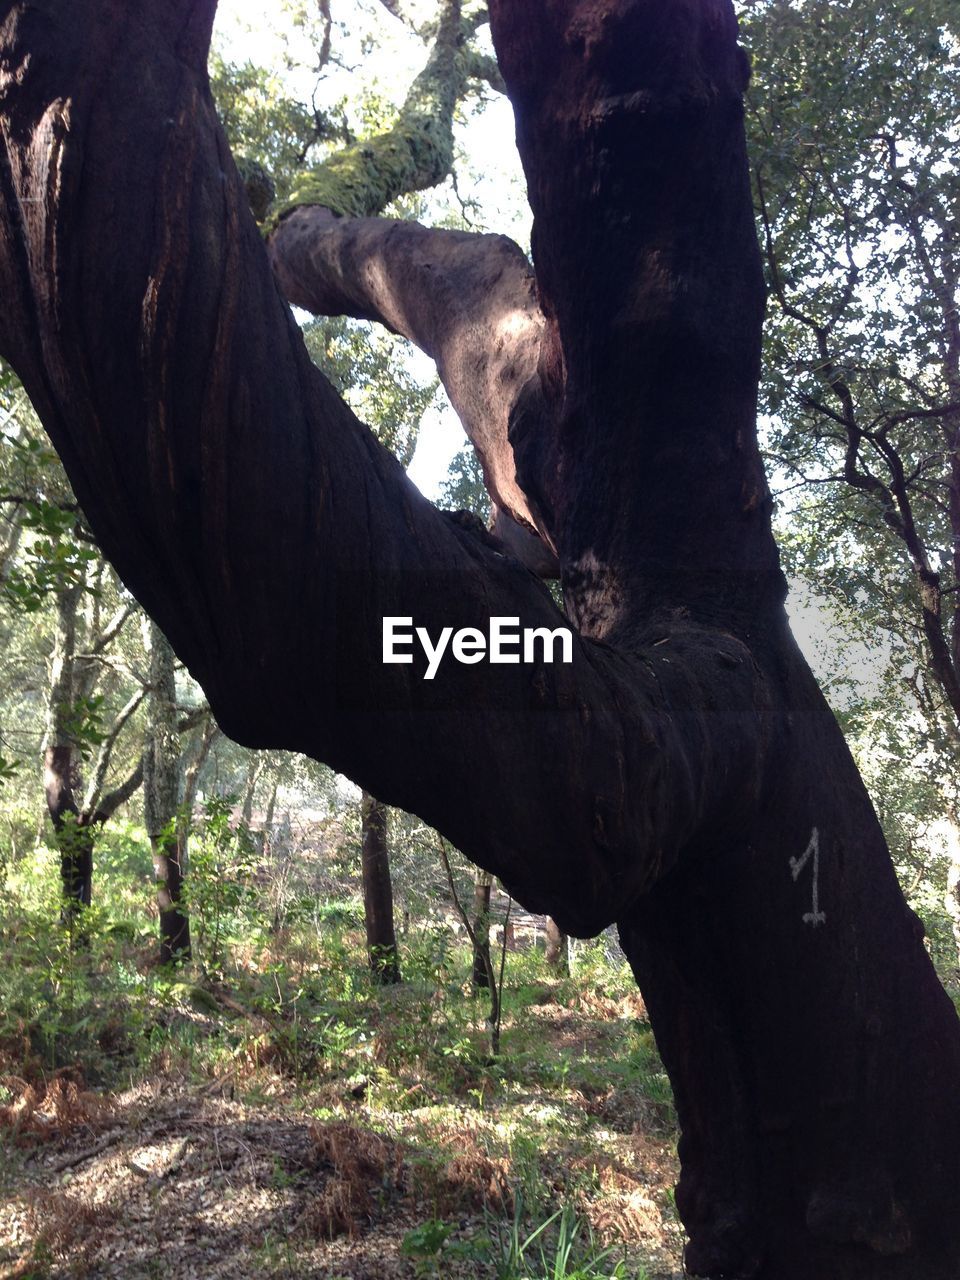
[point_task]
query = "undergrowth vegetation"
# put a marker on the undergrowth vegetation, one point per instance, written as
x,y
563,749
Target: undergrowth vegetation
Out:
x,y
324,1120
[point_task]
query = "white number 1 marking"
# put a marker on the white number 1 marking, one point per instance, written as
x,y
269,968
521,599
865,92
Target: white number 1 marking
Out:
x,y
816,916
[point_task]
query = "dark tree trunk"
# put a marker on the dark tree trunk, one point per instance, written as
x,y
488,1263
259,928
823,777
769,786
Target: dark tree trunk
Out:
x,y
161,798
482,966
683,775
556,954
378,891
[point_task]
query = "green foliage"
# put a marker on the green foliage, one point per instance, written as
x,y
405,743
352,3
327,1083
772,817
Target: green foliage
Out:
x,y
463,489
56,552
371,370
852,128
264,123
432,1245
221,891
557,1249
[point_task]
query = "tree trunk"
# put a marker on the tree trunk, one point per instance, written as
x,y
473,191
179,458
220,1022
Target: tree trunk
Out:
x,y
951,897
61,760
556,954
482,965
378,891
161,798
254,770
271,806
682,775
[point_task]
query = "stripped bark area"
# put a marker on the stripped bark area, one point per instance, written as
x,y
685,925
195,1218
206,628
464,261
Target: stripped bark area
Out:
x,y
483,327
683,776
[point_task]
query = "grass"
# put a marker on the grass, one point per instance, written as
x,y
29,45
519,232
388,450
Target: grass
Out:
x,y
552,1162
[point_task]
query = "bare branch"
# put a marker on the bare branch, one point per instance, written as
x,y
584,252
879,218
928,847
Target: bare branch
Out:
x,y
97,777
114,626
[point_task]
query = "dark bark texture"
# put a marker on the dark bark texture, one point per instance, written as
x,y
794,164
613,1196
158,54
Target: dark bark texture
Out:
x,y
683,776
378,890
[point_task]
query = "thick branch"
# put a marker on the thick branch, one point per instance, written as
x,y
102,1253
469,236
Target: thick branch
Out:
x,y
660,315
183,457
468,301
480,66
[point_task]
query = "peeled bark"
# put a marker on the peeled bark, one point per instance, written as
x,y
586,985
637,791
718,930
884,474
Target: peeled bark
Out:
x,y
483,327
683,775
382,948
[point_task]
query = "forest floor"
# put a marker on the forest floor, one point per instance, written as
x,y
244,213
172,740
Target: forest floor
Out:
x,y
288,1117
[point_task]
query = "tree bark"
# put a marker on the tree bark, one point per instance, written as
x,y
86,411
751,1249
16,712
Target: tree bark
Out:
x,y
254,770
683,775
482,968
161,798
382,948
61,760
557,954
483,328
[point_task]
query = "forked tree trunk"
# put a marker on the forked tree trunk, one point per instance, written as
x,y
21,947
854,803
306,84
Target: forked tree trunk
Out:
x,y
683,774
382,948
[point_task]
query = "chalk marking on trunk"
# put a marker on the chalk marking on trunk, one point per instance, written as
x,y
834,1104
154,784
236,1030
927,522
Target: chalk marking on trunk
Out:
x,y
816,916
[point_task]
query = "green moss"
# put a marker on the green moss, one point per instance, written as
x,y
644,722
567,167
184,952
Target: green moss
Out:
x,y
360,181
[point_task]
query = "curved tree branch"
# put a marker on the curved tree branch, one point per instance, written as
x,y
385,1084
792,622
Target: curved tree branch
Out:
x,y
469,301
182,457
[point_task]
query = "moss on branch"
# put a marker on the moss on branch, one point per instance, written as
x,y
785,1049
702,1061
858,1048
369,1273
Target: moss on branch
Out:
x,y
416,153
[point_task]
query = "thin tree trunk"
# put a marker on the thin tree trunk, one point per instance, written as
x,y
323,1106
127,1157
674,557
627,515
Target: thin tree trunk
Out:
x,y
61,761
557,947
254,770
161,798
378,891
482,967
271,807
951,899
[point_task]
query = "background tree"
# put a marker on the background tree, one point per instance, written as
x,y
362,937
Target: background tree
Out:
x,y
851,111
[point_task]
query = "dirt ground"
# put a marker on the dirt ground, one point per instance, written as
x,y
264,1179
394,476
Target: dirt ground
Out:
x,y
175,1178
